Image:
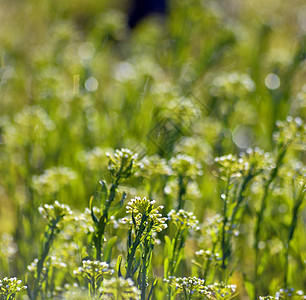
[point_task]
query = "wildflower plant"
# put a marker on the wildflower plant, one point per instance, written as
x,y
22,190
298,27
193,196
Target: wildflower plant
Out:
x,y
53,179
186,169
183,222
155,170
290,294
188,286
120,288
238,173
290,132
207,260
218,291
54,215
144,222
10,287
121,166
94,272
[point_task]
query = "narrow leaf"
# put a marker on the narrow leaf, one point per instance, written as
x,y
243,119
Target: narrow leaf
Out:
x,y
93,216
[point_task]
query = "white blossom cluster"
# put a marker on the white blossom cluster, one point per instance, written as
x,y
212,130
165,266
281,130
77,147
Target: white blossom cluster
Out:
x,y
10,286
138,207
53,179
54,212
183,219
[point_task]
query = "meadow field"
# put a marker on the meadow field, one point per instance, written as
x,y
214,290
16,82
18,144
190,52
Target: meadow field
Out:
x,y
165,161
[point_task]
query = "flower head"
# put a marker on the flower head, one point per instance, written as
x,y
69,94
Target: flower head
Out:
x,y
183,219
93,270
53,179
188,285
218,291
144,208
120,287
9,287
122,164
292,130
54,213
184,164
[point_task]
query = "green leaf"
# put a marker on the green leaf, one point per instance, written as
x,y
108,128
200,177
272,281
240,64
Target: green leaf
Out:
x,y
122,199
108,249
152,288
179,258
137,261
104,191
118,265
93,216
249,287
169,245
166,267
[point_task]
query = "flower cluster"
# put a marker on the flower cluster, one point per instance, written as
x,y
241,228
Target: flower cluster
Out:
x,y
8,246
139,207
183,219
286,294
192,192
230,166
295,173
54,261
94,158
218,291
229,85
93,270
120,288
122,164
252,161
208,255
31,124
74,292
55,212
154,165
9,287
256,159
53,179
212,227
193,144
292,130
187,285
186,165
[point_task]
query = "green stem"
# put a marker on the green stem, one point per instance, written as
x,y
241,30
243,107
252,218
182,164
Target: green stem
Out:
x,y
224,247
104,219
260,215
181,192
208,263
43,256
172,264
133,248
292,227
241,196
144,271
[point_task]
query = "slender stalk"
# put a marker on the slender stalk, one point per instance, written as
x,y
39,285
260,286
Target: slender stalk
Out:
x,y
50,236
181,192
104,219
292,227
144,269
133,248
223,237
241,196
205,273
260,215
172,264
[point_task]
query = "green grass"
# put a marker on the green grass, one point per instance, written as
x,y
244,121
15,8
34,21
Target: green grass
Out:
x,y
212,98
